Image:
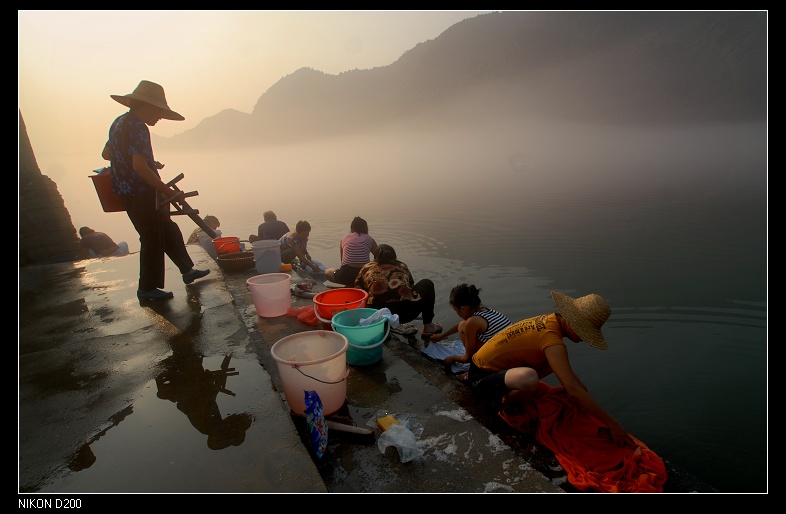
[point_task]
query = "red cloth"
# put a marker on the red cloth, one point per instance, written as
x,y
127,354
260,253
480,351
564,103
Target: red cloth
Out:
x,y
305,314
593,462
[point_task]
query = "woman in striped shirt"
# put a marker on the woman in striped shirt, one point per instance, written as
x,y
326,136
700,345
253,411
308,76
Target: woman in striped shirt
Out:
x,y
479,323
355,249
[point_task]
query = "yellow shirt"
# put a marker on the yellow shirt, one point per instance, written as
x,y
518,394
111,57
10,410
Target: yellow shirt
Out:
x,y
521,344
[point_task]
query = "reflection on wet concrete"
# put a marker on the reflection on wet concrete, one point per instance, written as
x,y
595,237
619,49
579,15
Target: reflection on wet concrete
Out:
x,y
176,444
117,396
194,389
83,459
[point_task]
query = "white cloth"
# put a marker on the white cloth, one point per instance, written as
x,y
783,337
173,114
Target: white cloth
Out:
x,y
444,349
381,313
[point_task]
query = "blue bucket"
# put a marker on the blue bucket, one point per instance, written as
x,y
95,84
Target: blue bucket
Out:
x,y
365,341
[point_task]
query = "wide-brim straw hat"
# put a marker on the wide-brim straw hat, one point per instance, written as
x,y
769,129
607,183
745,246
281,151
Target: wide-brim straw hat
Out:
x,y
150,93
586,315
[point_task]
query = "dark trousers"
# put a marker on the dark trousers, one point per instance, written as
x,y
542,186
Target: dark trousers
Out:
x,y
408,310
346,275
158,235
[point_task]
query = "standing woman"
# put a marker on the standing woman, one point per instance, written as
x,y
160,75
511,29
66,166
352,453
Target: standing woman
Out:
x,y
135,176
390,284
479,323
354,249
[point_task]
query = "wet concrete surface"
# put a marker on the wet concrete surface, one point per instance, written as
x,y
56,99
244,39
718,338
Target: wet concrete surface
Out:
x,y
183,396
118,396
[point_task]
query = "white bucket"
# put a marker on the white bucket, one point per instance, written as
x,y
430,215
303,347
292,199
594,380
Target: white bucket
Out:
x,y
271,294
315,360
267,256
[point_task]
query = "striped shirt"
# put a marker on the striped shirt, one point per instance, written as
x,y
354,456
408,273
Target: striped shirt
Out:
x,y
496,322
356,248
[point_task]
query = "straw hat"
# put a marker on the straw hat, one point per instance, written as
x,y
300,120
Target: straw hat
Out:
x,y
150,93
586,315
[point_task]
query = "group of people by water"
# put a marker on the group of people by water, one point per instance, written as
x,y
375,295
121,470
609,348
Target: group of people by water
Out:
x,y
506,360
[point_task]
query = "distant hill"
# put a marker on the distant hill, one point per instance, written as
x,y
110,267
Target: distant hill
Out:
x,y
609,67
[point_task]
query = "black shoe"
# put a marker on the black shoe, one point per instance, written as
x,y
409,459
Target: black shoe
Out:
x,y
154,294
197,273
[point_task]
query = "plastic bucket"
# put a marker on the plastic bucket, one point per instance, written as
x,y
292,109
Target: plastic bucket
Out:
x,y
267,256
328,303
226,245
365,341
271,294
313,361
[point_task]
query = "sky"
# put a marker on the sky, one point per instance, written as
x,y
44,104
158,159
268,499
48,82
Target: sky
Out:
x,y
69,62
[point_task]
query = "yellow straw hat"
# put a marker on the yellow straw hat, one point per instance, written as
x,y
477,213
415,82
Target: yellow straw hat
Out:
x,y
150,93
586,315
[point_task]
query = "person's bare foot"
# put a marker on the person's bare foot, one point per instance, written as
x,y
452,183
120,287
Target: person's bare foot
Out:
x,y
431,329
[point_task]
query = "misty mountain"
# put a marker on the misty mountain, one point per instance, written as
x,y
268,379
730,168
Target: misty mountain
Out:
x,y
610,67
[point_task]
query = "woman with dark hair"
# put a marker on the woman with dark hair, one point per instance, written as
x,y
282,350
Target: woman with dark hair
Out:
x,y
390,284
98,244
479,323
354,250
212,222
294,245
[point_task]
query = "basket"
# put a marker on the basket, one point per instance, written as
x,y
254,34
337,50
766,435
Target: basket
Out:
x,y
110,201
237,261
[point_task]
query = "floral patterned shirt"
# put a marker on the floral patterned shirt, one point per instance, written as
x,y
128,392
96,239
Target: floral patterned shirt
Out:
x,y
292,240
386,283
130,132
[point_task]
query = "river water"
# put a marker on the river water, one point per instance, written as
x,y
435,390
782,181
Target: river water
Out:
x,y
670,225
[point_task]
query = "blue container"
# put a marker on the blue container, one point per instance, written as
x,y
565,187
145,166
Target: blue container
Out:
x,y
365,342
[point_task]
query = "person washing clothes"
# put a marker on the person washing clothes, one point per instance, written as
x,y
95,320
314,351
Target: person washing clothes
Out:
x,y
512,363
270,229
479,323
294,245
98,244
389,283
355,250
212,222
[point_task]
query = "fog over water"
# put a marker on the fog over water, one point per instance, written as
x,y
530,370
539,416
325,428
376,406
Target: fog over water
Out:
x,y
608,185
668,223
523,152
